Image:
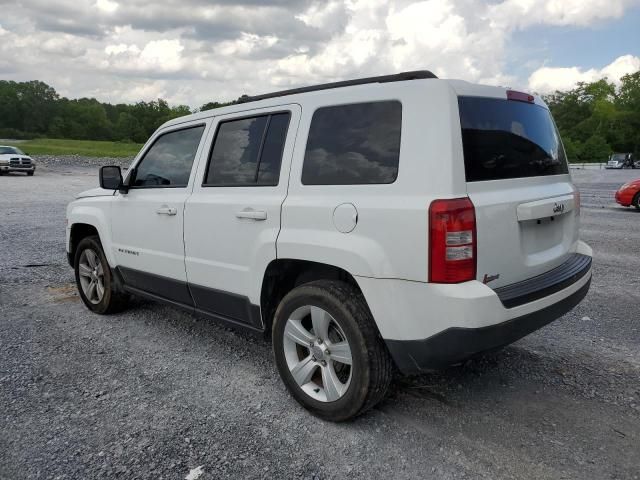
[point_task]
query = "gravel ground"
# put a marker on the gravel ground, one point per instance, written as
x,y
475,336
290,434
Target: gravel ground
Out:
x,y
155,393
52,161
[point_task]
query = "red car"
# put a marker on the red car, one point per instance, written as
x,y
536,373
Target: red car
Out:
x,y
629,194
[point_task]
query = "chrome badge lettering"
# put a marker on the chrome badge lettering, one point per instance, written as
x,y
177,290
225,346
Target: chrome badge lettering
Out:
x,y
130,252
558,207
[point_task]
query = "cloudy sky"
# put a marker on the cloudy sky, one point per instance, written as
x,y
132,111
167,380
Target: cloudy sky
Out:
x,y
194,51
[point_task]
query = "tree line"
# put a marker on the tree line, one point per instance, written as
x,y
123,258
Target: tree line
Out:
x,y
597,119
34,109
594,119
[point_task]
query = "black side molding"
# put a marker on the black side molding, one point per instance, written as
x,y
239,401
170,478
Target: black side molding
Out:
x,y
226,304
398,77
456,344
228,308
168,288
546,284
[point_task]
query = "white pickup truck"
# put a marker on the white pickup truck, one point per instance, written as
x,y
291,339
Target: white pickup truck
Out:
x,y
399,222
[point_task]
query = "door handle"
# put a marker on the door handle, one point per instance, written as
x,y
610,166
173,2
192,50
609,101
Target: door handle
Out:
x,y
252,214
167,211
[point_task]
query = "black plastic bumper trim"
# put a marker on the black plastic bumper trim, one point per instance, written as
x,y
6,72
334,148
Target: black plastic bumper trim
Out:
x,y
457,344
546,284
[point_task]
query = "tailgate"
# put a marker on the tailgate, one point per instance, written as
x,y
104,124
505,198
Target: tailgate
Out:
x,y
527,209
523,230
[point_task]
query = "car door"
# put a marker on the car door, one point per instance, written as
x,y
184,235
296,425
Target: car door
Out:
x,y
232,219
147,222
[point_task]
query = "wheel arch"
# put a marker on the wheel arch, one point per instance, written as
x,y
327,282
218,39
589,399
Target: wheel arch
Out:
x,y
284,274
84,221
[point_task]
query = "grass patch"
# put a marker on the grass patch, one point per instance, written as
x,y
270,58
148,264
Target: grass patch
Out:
x,y
85,148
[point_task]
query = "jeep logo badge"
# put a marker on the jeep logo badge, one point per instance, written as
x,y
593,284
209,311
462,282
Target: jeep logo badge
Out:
x,y
558,207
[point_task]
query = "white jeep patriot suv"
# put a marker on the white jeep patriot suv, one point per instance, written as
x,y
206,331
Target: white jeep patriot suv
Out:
x,y
398,222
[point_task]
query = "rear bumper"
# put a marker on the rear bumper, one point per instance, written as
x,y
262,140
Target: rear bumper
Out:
x,y
430,326
456,344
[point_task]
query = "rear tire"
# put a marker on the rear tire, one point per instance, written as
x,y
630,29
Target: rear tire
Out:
x,y
333,385
98,289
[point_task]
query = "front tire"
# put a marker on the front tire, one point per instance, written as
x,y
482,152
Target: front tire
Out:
x,y
30,174
636,201
96,284
328,350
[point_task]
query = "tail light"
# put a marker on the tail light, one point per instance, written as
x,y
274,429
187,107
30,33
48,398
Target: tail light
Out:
x,y
452,241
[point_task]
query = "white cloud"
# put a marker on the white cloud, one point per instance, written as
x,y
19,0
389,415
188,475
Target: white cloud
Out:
x,y
156,56
193,51
550,79
107,6
164,54
522,13
63,45
247,44
321,15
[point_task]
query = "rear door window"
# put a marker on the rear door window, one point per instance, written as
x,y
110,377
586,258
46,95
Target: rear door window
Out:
x,y
505,139
353,144
248,151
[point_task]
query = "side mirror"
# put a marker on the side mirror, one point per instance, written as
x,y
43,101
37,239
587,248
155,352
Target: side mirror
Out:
x,y
110,178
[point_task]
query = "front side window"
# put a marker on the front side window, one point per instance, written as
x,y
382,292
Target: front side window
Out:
x,y
353,144
169,160
248,151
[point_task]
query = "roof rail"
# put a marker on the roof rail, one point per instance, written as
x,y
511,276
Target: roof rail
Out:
x,y
398,77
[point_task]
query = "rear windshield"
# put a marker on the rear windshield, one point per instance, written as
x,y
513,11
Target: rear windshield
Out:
x,y
508,139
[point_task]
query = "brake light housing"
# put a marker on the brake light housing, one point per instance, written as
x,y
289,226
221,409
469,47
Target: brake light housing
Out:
x,y
452,241
520,96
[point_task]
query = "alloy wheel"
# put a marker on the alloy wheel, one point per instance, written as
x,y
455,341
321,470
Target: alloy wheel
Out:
x,y
317,353
91,275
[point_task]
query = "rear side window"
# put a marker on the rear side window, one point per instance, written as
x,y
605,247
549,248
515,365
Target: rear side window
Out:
x,y
248,151
505,139
168,161
353,144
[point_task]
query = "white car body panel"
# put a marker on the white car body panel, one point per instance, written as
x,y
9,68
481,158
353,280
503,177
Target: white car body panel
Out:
x,y
416,310
94,211
391,217
142,237
227,253
95,192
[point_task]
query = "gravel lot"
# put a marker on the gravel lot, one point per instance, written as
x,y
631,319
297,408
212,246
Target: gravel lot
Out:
x,y
155,393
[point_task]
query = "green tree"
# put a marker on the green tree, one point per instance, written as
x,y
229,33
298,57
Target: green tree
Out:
x,y
128,128
57,128
595,149
572,149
